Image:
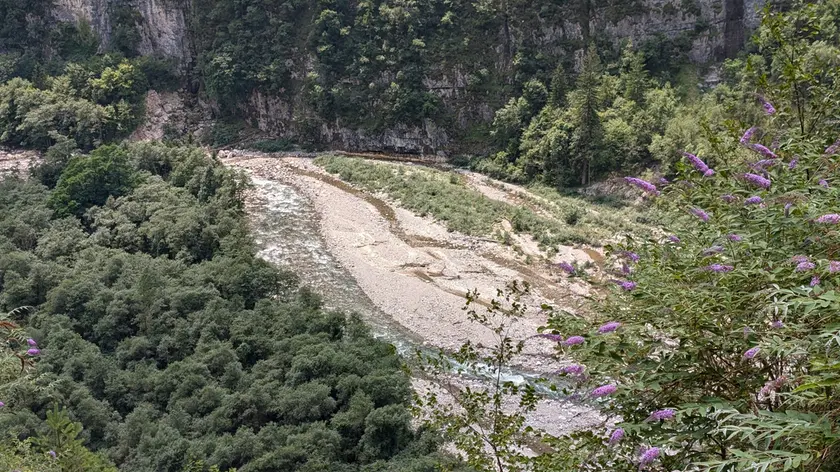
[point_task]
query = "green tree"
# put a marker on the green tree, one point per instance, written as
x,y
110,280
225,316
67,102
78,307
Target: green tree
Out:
x,y
90,180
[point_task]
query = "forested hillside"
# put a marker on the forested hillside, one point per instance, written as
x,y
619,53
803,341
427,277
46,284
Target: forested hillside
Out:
x,y
418,76
166,338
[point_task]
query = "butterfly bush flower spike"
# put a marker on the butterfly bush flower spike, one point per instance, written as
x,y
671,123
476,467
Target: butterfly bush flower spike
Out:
x,y
754,200
793,163
674,239
632,256
616,437
646,186
831,150
699,213
34,352
628,285
699,164
609,327
748,134
751,353
805,266
660,415
831,218
728,198
815,280
574,340
764,151
574,369
834,266
734,237
553,337
566,267
2,404
757,180
604,390
648,457
768,107
777,324
719,268
31,342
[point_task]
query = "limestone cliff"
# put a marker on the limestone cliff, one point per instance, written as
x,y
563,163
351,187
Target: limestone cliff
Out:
x,y
714,28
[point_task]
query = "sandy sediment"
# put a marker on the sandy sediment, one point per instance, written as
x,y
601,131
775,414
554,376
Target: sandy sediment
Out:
x,y
415,270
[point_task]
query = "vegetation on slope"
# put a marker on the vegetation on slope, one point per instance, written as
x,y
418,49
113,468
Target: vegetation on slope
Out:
x,y
718,348
163,334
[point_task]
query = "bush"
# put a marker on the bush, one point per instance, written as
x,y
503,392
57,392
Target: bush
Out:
x,y
271,145
90,180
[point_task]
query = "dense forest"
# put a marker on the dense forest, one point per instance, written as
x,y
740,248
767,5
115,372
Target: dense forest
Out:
x,y
144,334
166,338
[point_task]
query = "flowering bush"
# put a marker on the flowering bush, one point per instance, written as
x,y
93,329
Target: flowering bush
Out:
x,y
726,354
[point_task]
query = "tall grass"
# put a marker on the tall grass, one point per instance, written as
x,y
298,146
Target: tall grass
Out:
x,y
554,219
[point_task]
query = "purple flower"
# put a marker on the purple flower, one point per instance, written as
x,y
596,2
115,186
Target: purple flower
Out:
x,y
52,453
660,415
799,258
31,342
757,180
713,250
748,134
747,331
674,239
823,183
574,340
751,352
831,218
664,181
574,369
833,148
698,164
772,386
2,404
699,213
34,352
648,456
768,107
777,324
630,255
762,164
616,436
625,269
626,285
754,200
609,327
733,237
728,198
566,267
788,206
805,266
604,390
763,150
553,337
815,280
834,266
719,268
642,184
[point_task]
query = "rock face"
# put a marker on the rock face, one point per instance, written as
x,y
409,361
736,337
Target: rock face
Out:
x,y
163,30
714,28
